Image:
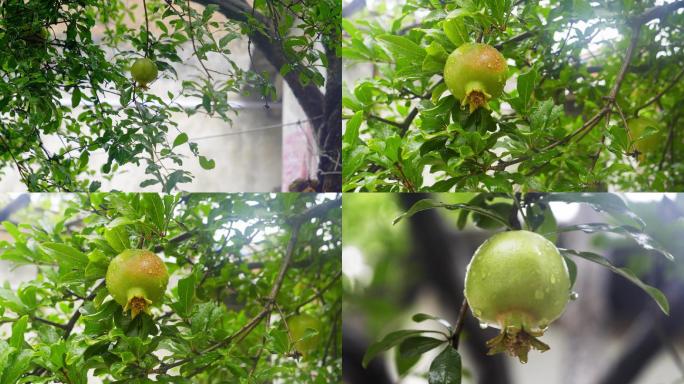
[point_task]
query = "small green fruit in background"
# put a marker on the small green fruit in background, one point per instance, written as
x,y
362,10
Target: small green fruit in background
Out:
x,y
298,326
137,279
144,71
518,282
475,73
637,127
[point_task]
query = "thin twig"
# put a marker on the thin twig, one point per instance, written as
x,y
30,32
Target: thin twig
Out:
x,y
459,324
660,94
48,322
147,30
192,40
405,180
669,143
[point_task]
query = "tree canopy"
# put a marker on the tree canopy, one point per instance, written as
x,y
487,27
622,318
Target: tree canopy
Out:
x,y
239,264
580,73
61,83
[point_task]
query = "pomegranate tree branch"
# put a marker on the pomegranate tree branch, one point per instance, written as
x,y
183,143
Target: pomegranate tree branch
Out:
x,y
251,324
656,13
309,96
660,94
296,223
594,120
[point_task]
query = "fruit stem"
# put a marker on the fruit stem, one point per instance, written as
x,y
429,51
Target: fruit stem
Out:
x,y
459,324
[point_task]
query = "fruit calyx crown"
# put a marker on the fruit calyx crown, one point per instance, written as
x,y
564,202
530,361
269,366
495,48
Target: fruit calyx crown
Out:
x,y
137,302
476,96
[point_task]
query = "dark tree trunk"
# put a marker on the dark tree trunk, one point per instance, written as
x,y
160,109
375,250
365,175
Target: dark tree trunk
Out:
x,y
353,349
324,110
330,133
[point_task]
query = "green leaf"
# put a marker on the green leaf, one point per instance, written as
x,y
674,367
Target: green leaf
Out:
x,y
526,84
498,9
154,209
427,204
10,300
12,230
432,65
478,200
5,352
351,130
120,221
104,312
572,270
455,28
404,364
655,293
97,266
390,340
280,341
437,51
601,202
206,163
180,139
117,238
446,368
644,240
206,102
186,293
420,317
75,97
148,182
18,330
18,366
545,115
416,346
403,47
65,253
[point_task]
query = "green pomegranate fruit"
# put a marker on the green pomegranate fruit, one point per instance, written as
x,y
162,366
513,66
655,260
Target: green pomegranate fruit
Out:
x,y
298,326
137,279
637,127
518,282
475,73
144,71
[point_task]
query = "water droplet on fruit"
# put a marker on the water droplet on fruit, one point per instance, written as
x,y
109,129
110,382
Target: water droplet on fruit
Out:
x,y
553,279
574,295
